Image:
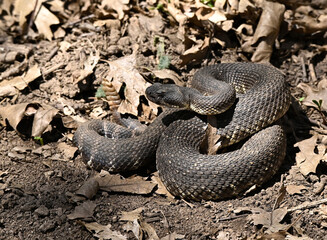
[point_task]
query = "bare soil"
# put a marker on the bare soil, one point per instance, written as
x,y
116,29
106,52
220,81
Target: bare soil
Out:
x,y
36,181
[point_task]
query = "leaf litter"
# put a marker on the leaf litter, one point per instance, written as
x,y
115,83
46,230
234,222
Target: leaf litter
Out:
x,y
256,30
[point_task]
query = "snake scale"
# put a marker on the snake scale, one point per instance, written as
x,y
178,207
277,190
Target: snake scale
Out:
x,y
249,98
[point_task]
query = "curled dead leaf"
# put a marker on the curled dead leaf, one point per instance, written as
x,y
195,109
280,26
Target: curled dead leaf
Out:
x,y
270,220
44,20
145,230
89,189
196,52
294,189
103,231
10,87
124,75
310,155
31,119
168,74
319,93
267,30
83,211
116,183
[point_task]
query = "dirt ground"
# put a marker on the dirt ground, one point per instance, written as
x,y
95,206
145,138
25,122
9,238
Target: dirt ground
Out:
x,y
38,182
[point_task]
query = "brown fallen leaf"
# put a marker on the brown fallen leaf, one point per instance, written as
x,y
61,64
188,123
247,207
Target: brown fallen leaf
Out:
x,y
196,52
44,20
89,65
23,8
168,74
132,226
132,215
310,155
103,231
173,236
67,150
16,115
145,230
124,74
267,30
83,211
319,93
322,211
312,24
295,189
119,6
270,220
89,189
9,87
161,190
116,183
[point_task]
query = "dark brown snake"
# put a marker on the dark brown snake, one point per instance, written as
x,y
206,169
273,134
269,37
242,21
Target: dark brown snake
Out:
x,y
174,138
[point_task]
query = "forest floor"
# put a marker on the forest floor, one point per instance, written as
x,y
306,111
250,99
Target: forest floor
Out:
x,y
53,61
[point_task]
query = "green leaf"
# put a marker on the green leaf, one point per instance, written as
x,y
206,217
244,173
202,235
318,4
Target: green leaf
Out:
x,y
160,7
164,62
100,93
318,103
301,99
209,3
39,139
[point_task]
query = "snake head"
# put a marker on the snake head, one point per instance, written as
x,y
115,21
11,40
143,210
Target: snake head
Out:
x,y
168,95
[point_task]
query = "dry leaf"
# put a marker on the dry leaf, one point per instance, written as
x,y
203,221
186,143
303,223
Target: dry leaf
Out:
x,y
120,6
143,227
149,230
115,183
168,74
89,189
23,8
270,220
319,93
83,211
123,71
67,150
267,30
307,159
195,53
103,231
132,215
312,24
173,236
44,20
132,226
161,190
322,210
15,115
89,65
9,87
295,189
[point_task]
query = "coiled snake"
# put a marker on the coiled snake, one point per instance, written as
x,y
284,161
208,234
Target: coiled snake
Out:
x,y
249,97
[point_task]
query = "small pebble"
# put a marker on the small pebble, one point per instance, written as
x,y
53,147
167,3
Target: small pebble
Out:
x,y
47,226
42,211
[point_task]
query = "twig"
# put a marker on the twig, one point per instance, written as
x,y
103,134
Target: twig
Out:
x,y
307,205
52,53
233,217
14,71
188,204
312,72
52,69
320,186
304,69
71,24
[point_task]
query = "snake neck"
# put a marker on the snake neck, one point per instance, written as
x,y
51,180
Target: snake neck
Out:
x,y
215,103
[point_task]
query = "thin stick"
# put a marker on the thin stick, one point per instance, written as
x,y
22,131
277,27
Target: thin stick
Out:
x,y
307,205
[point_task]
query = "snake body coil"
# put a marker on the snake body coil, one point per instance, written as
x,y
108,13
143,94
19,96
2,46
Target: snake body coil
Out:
x,y
261,97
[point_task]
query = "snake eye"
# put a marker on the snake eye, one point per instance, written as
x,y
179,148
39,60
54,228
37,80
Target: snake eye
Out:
x,y
161,92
